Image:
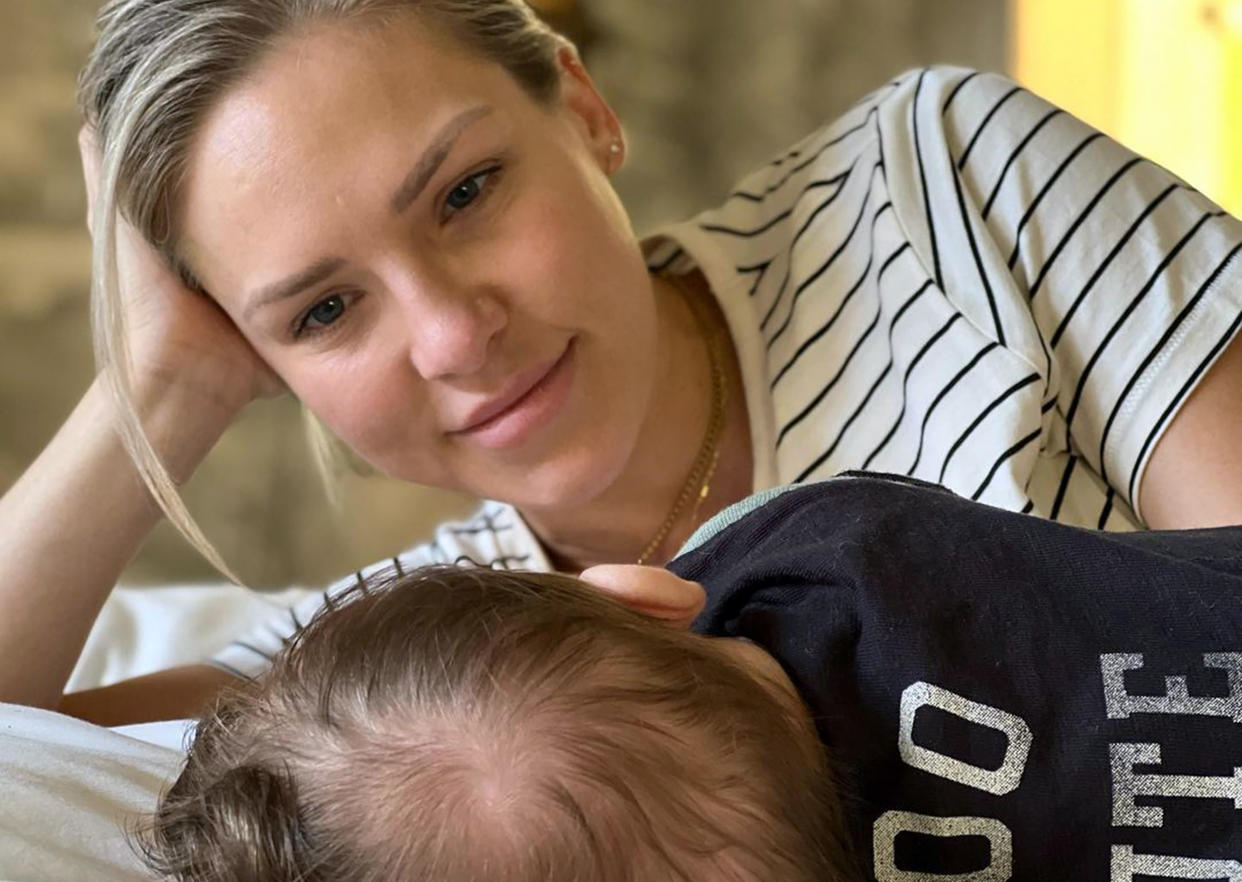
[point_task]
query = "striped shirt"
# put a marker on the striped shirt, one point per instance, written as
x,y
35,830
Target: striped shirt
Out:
x,y
954,281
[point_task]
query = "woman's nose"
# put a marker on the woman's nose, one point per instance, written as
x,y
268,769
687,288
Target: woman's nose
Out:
x,y
452,335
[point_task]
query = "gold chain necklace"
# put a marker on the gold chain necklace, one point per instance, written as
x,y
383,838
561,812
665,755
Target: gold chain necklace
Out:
x,y
704,467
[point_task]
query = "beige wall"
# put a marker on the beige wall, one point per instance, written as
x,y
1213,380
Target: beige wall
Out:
x,y
707,89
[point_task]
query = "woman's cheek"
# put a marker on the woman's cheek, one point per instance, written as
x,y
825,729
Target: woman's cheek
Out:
x,y
355,403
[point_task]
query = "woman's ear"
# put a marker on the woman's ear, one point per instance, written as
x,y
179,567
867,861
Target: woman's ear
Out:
x,y
652,591
590,114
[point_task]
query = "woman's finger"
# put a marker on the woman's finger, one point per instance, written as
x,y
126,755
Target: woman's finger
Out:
x,y
652,591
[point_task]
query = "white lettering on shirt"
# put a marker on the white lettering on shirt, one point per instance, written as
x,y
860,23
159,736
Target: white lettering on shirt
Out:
x,y
998,781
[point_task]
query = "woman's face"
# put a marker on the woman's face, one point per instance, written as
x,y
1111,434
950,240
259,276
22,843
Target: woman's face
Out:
x,y
434,263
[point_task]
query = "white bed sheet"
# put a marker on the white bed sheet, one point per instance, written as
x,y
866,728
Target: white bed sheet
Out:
x,y
69,790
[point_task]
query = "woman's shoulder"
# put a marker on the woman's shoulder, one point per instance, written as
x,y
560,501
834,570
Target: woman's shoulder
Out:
x,y
846,147
843,136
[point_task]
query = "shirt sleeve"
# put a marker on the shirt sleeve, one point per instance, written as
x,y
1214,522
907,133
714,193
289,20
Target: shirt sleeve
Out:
x,y
1117,281
496,537
251,653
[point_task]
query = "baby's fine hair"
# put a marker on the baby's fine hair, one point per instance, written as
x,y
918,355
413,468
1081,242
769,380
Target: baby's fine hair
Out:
x,y
470,725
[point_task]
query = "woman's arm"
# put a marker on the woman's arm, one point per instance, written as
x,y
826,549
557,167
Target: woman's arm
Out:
x,y
70,525
74,520
175,694
1194,477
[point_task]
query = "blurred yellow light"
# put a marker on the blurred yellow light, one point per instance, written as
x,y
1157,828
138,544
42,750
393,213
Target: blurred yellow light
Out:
x,y
1164,77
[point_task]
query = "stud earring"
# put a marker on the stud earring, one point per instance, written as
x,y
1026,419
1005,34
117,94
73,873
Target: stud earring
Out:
x,y
614,150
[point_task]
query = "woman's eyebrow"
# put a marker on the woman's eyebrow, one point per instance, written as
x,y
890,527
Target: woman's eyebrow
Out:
x,y
435,154
413,185
294,284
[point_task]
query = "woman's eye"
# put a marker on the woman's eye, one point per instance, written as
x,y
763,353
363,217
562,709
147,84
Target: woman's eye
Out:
x,y
323,314
467,193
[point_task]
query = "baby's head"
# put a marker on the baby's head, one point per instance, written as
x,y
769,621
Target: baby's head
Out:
x,y
469,725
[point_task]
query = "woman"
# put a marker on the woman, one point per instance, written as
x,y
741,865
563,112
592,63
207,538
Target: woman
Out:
x,y
400,211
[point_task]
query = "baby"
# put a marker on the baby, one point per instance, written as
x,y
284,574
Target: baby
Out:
x,y
999,696
470,725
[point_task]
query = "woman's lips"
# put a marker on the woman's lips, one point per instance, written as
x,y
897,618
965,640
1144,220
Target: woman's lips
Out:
x,y
512,417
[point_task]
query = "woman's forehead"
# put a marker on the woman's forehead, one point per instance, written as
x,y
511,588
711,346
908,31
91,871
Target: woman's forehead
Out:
x,y
335,77
329,113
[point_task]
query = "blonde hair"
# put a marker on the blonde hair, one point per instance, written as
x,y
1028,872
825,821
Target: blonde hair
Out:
x,y
157,69
463,724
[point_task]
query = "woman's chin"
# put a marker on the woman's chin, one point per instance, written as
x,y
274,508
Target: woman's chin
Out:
x,y
564,483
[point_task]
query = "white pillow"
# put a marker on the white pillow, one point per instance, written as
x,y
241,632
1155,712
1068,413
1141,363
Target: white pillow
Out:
x,y
69,790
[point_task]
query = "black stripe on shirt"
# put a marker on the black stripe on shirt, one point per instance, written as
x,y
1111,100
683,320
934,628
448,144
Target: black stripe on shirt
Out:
x,y
875,98
1125,315
747,234
841,371
1001,460
927,207
780,291
845,427
1078,222
284,639
793,172
961,163
826,327
983,415
1157,349
840,181
1108,509
835,137
941,396
487,527
505,562
463,559
1043,191
813,277
974,250
806,225
888,261
910,301
823,393
948,101
490,522
252,649
759,198
1181,394
229,669
1065,482
666,263
1013,157
1112,255
754,288
905,382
